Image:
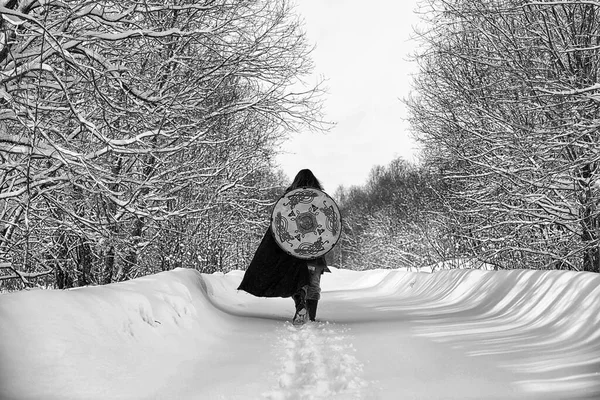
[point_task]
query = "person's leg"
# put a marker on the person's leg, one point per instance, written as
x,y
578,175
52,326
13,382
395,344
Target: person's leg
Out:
x,y
314,290
300,304
300,297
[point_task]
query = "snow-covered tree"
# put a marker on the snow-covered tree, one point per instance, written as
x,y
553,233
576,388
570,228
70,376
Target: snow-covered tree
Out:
x,y
118,117
506,104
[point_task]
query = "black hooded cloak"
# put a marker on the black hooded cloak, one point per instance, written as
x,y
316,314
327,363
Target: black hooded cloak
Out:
x,y
274,273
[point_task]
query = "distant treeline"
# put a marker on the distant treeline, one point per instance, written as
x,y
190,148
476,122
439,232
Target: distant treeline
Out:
x,y
390,221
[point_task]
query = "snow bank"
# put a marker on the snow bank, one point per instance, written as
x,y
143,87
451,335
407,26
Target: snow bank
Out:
x,y
547,321
87,342
545,325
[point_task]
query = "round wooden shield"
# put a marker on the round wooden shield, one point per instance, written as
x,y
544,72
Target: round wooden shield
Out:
x,y
306,223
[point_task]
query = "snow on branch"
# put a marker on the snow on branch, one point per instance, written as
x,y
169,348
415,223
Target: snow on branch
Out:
x,y
571,92
143,33
24,276
560,3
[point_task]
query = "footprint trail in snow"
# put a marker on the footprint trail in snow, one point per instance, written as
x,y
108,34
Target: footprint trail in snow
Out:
x,y
318,362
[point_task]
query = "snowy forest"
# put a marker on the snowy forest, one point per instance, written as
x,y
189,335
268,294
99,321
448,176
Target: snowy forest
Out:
x,y
506,106
139,136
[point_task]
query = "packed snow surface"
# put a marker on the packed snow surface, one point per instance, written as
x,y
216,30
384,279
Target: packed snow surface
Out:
x,y
380,334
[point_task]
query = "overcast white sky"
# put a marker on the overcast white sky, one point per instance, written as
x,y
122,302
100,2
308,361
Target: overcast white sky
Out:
x,y
362,50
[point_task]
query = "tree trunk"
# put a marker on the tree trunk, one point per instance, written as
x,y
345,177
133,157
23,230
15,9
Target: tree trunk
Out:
x,y
131,259
113,228
84,264
109,266
589,221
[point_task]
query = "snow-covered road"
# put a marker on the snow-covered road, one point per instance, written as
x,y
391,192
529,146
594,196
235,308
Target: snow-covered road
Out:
x,y
369,346
381,334
317,360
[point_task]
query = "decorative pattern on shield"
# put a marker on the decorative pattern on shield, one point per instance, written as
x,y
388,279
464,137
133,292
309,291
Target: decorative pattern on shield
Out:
x,y
306,223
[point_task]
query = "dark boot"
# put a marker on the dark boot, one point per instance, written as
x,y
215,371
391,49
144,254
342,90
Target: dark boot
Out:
x,y
299,317
311,305
300,304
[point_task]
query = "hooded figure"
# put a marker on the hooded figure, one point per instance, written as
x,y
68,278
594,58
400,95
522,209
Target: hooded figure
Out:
x,y
275,273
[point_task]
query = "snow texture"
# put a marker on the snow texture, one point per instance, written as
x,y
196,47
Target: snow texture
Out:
x,y
380,334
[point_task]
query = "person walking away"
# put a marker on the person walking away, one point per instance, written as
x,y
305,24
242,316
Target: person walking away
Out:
x,y
275,273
